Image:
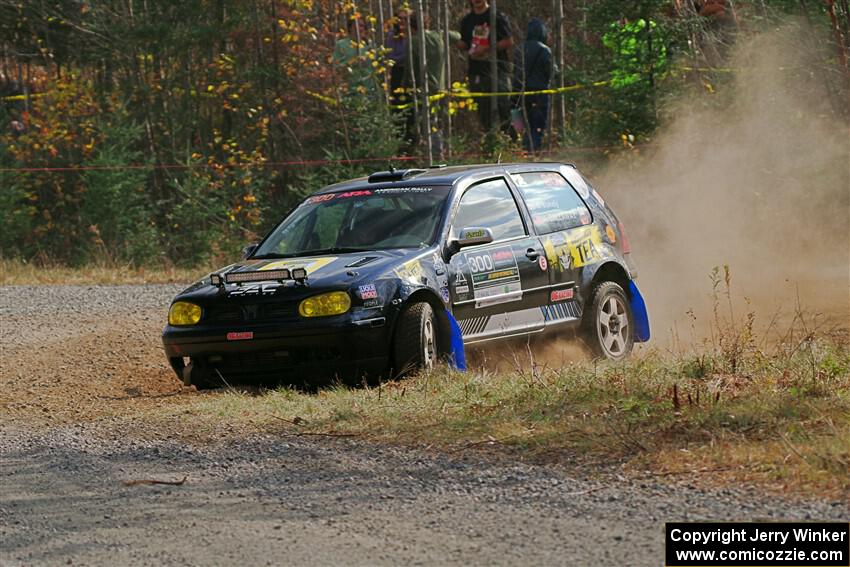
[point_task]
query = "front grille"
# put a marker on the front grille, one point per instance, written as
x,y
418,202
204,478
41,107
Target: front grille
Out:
x,y
221,314
277,311
249,312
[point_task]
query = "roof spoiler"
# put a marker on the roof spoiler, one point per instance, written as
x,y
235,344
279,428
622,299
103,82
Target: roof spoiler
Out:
x,y
394,175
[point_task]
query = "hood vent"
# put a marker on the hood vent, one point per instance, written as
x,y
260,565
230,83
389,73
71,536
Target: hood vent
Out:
x,y
362,261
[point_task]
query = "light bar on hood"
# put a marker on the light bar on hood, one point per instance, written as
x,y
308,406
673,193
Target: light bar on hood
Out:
x,y
258,276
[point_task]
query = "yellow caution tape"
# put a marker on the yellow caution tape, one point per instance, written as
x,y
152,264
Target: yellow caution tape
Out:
x,y
464,94
321,97
707,69
22,97
457,93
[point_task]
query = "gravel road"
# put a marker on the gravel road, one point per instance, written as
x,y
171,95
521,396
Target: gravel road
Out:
x,y
74,359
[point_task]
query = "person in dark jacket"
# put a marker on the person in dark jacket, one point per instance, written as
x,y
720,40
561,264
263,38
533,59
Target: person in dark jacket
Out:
x,y
533,72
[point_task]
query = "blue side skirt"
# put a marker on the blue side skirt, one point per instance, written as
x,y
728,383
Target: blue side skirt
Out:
x,y
639,312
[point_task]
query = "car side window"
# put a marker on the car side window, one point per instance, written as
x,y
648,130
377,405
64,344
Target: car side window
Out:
x,y
553,203
490,205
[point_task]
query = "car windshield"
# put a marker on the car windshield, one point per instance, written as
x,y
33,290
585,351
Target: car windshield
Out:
x,y
353,221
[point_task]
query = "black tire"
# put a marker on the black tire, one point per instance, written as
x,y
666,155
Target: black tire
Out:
x,y
415,341
207,382
608,324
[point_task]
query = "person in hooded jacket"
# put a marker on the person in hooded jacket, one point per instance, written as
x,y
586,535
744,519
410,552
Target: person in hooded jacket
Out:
x,y
533,72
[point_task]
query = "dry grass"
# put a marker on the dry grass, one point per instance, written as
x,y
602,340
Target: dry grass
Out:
x,y
769,407
782,419
17,272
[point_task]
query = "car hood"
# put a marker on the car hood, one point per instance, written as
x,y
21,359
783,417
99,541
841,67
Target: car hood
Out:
x,y
332,271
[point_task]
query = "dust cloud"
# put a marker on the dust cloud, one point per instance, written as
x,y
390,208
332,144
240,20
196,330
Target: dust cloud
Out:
x,y
755,176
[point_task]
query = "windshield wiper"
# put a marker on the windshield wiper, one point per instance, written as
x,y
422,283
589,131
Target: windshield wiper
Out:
x,y
269,256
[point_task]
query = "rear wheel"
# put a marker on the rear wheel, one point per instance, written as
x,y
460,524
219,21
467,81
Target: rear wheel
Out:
x,y
415,341
608,324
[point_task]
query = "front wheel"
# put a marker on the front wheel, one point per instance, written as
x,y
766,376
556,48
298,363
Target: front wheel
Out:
x,y
415,341
608,325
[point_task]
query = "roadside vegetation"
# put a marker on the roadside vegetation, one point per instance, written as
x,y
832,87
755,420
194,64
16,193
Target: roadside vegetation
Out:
x,y
770,408
18,272
179,132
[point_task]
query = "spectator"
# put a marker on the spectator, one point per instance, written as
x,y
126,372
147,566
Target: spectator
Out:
x,y
475,37
396,42
435,56
711,9
533,72
435,71
718,33
350,59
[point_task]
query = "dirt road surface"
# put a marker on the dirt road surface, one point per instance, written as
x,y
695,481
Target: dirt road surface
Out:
x,y
80,368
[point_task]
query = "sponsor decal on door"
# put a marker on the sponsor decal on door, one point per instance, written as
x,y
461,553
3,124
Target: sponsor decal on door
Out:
x,y
495,276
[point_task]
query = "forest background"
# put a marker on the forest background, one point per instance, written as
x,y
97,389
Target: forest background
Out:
x,y
160,133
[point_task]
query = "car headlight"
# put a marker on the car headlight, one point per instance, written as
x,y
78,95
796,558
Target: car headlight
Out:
x,y
183,313
333,303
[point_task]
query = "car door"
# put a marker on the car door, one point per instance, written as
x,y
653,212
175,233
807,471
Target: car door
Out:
x,y
497,289
570,240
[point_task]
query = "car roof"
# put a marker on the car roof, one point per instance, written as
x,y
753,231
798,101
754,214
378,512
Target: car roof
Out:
x,y
439,175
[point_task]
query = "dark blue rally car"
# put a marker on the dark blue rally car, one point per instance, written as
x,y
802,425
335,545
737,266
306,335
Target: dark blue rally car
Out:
x,y
394,272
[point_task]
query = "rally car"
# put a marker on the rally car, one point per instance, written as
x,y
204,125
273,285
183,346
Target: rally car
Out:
x,y
395,272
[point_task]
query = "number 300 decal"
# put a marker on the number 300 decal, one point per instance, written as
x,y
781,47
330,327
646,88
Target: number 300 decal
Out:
x,y
482,263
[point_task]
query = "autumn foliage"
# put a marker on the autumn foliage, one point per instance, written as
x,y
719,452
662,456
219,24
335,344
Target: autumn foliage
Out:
x,y
169,132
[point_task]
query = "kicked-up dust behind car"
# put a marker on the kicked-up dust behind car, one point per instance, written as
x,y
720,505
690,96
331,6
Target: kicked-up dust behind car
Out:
x,y
756,177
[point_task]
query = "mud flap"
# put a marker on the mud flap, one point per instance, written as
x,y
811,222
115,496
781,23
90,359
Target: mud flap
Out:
x,y
187,374
639,311
458,355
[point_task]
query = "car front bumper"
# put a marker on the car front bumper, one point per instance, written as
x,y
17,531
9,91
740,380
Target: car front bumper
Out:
x,y
343,350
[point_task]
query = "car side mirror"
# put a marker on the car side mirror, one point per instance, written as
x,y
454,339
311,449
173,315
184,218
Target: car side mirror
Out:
x,y
248,250
471,236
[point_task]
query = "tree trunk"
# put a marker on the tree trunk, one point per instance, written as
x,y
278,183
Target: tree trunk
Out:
x,y
561,115
447,106
494,68
423,75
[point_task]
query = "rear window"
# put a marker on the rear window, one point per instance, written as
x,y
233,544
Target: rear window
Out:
x,y
553,203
